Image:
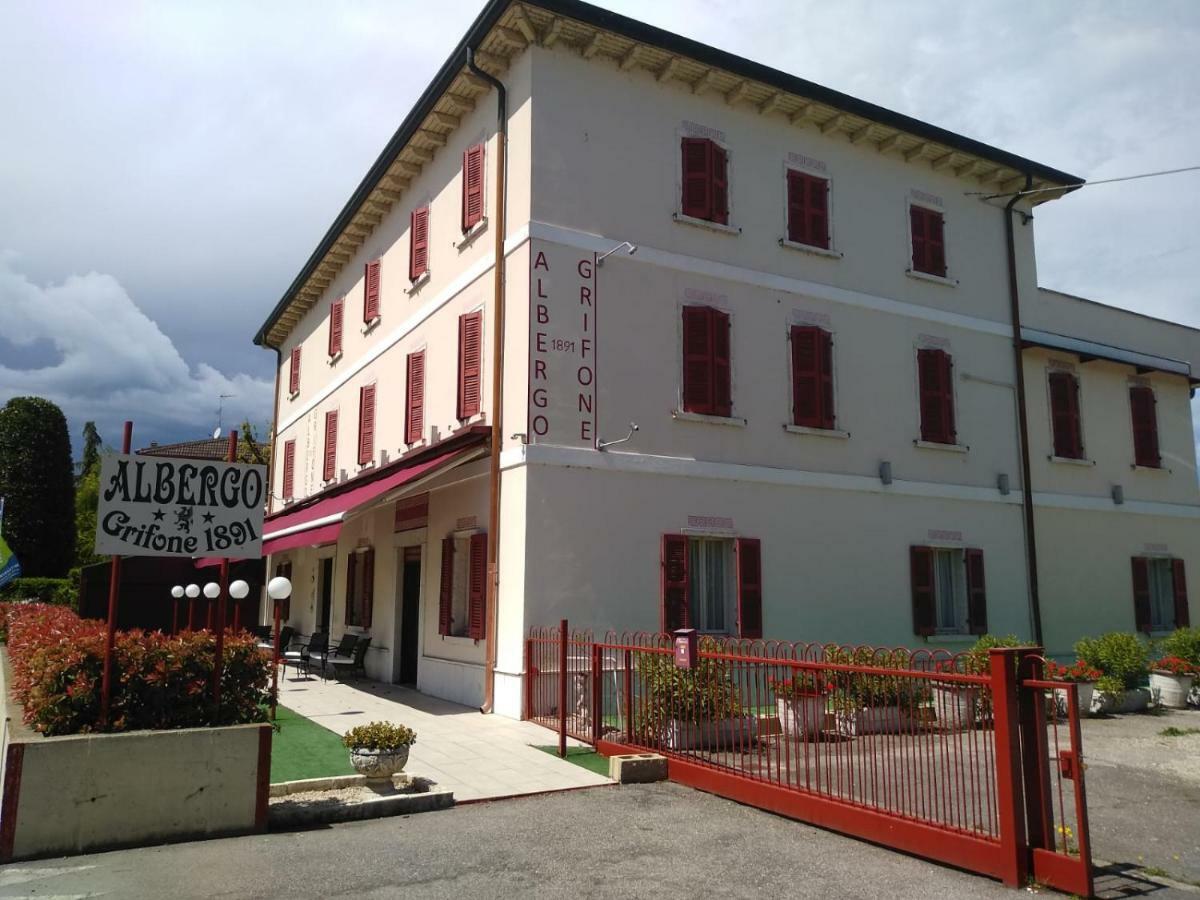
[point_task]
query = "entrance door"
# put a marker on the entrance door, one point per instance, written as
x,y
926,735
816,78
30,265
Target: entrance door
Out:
x,y
324,621
410,609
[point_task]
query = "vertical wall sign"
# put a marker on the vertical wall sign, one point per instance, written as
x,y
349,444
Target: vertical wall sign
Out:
x,y
562,346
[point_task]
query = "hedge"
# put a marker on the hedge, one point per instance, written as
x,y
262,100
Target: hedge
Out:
x,y
160,681
59,591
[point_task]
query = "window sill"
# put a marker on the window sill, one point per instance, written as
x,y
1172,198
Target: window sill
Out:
x,y
1135,467
705,223
368,327
334,359
809,248
935,445
459,638
413,445
818,432
936,279
953,637
470,234
1072,461
419,282
685,416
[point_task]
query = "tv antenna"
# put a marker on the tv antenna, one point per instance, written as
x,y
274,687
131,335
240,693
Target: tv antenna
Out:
x,y
221,398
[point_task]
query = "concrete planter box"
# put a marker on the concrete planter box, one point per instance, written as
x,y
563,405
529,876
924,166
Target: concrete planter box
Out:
x,y
1087,690
873,720
724,735
1132,701
954,706
1171,690
801,717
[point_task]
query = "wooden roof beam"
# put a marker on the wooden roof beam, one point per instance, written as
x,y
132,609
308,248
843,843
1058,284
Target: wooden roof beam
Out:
x,y
774,103
833,124
434,137
740,92
444,119
915,152
890,142
553,33
385,194
630,59
805,115
668,71
511,36
593,46
706,82
861,135
942,161
521,20
425,156
459,102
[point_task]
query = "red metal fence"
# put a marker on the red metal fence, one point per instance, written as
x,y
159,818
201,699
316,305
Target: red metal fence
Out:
x,y
968,758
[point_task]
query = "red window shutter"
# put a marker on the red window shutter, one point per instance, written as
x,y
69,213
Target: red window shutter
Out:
x,y
812,377
329,470
294,376
749,597
1064,415
470,346
721,371
808,209
335,325
936,388
366,424
797,209
697,360
414,407
477,587
976,593
289,470
1179,584
446,593
921,573
720,185
674,612
697,178
349,613
920,252
1145,427
366,592
472,210
418,256
1141,594
928,240
371,291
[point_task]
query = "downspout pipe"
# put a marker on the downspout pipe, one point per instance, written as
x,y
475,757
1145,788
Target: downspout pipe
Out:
x,y
1014,294
493,544
274,431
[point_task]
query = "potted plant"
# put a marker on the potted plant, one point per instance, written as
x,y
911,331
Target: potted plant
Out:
x,y
379,750
800,703
1078,673
954,702
685,709
873,702
1184,643
1171,681
1122,661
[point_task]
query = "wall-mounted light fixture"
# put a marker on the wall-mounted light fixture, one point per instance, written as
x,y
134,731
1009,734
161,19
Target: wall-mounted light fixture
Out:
x,y
632,250
600,444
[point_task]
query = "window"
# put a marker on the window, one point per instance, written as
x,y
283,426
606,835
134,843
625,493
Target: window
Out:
x,y
705,181
706,374
414,398
289,470
948,593
712,584
294,375
807,209
284,570
360,587
935,377
366,424
462,601
418,236
812,377
472,198
1160,601
470,350
335,325
928,241
371,292
329,469
1064,415
1145,427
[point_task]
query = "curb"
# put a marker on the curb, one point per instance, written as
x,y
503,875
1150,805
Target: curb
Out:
x,y
287,816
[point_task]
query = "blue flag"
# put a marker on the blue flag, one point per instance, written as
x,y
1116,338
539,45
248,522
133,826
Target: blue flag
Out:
x,y
10,569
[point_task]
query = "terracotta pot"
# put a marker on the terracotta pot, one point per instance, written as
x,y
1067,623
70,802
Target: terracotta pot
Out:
x,y
378,765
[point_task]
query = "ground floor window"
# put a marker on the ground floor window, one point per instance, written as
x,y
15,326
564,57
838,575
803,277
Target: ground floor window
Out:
x,y
462,601
1159,593
360,587
948,593
712,584
711,592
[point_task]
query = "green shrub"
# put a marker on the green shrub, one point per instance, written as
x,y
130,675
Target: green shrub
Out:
x,y
56,591
379,736
854,690
705,693
1182,642
1122,657
978,660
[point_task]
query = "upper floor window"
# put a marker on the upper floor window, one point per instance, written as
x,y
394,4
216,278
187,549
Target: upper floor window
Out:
x,y
360,587
928,240
472,198
470,352
1145,427
294,373
418,239
336,309
366,424
462,601
1160,601
289,470
414,398
329,469
712,584
1064,415
935,378
812,377
371,292
948,593
705,180
807,209
707,387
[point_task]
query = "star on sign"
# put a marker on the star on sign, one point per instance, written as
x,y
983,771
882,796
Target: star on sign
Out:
x,y
158,515
208,517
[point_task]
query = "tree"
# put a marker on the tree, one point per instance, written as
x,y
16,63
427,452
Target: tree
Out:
x,y
250,448
38,486
87,497
91,449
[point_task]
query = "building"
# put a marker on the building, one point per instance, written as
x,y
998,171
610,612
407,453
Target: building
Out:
x,y
822,317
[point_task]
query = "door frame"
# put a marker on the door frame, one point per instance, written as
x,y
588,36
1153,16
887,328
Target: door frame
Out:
x,y
401,541
328,552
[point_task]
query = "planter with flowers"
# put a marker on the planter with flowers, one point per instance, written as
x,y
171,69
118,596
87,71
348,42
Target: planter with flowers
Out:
x,y
800,702
1078,673
1122,660
1171,681
875,702
379,750
954,703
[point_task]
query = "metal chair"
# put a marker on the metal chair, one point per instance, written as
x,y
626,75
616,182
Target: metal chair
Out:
x,y
301,657
356,661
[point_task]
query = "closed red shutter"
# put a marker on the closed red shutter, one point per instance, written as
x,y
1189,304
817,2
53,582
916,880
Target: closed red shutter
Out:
x,y
350,611
936,388
1145,427
921,574
797,220
697,178
1141,594
289,470
976,593
446,592
697,360
1064,415
749,598
928,240
1179,583
414,407
477,587
808,209
920,253
674,612
366,592
472,210
722,375
329,470
335,325
470,341
366,424
812,377
720,185
371,292
418,256
294,376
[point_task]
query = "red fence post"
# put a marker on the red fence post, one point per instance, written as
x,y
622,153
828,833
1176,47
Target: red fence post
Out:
x,y
563,636
597,692
1009,808
1035,772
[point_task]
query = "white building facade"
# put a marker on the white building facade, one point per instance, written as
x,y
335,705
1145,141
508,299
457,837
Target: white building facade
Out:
x,y
814,334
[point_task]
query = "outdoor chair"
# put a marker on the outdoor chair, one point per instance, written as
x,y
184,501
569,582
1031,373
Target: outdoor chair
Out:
x,y
345,647
286,633
301,657
356,661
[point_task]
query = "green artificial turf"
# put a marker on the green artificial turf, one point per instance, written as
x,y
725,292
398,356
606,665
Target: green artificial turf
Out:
x,y
583,756
303,749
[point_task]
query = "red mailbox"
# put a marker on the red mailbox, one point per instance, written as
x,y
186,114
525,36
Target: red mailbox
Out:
x,y
687,655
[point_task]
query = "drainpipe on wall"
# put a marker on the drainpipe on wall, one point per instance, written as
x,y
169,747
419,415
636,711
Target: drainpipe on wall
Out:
x,y
274,431
1035,609
493,544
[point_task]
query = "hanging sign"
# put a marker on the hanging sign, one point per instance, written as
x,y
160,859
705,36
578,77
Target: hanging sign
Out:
x,y
164,506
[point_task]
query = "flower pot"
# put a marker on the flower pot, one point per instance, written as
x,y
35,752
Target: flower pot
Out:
x,y
1172,690
1130,701
1086,691
378,765
954,706
873,720
801,716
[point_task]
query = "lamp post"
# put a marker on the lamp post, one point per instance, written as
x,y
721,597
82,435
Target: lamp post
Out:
x,y
212,590
239,591
177,593
278,589
192,591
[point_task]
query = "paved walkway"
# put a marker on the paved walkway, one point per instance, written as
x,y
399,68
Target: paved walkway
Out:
x,y
474,755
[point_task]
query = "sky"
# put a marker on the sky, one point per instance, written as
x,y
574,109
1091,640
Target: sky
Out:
x,y
166,168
